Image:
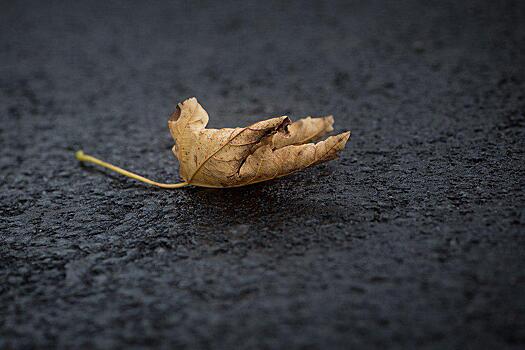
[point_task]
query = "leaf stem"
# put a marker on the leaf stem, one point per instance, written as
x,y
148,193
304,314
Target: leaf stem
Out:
x,y
81,156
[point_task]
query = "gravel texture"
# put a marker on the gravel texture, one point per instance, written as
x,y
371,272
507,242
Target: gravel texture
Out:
x,y
413,239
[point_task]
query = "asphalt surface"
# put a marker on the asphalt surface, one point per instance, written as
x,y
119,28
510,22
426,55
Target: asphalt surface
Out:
x,y
413,239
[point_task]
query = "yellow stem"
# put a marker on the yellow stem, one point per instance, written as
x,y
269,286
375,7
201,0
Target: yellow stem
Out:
x,y
87,158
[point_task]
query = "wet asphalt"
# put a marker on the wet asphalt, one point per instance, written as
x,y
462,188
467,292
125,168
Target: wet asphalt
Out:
x,y
414,238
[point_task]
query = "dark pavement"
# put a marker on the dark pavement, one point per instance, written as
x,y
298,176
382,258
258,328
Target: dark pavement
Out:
x,y
415,238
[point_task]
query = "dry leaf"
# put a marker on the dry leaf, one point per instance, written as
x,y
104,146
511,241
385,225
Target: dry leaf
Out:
x,y
241,156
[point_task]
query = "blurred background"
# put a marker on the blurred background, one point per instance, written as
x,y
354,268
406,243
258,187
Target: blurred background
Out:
x,y
414,238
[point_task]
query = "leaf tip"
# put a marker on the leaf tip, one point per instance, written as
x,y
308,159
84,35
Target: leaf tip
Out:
x,y
175,115
178,109
345,136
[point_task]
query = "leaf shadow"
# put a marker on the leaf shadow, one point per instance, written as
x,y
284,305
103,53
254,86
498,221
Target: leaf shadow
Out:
x,y
271,204
268,204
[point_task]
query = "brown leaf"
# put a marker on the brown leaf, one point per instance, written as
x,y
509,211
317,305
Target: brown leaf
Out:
x,y
241,156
